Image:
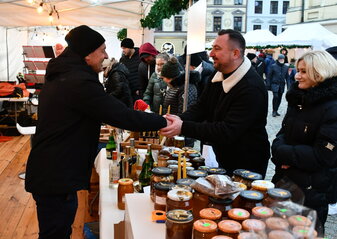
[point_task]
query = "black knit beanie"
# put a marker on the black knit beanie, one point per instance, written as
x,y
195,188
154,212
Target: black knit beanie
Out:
x,y
127,43
83,40
171,69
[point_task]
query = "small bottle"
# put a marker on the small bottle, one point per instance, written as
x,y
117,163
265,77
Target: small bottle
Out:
x,y
146,173
133,160
110,147
149,153
114,171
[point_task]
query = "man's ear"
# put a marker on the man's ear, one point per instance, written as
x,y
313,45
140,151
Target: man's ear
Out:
x,y
237,53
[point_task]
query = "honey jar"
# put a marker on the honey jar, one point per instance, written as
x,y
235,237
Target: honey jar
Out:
x,y
197,162
204,229
250,235
299,220
125,185
211,214
185,181
179,224
248,178
224,205
237,175
179,199
221,237
195,174
200,201
304,232
278,234
262,186
238,214
160,194
229,228
277,223
248,199
254,225
262,212
162,160
276,195
160,174
215,170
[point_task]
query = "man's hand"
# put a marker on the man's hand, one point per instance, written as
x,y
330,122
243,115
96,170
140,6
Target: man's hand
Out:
x,y
174,128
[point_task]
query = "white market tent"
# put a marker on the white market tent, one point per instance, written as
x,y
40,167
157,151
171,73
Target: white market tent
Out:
x,y
259,38
310,34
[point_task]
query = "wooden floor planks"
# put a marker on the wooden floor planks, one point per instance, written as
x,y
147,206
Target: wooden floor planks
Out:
x,y
18,218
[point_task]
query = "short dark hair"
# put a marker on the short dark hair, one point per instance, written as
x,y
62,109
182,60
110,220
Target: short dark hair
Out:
x,y
235,37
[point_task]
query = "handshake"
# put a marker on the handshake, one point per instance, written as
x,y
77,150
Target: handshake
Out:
x,y
173,127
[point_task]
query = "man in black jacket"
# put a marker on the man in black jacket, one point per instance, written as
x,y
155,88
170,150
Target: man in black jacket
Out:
x,y
232,110
72,106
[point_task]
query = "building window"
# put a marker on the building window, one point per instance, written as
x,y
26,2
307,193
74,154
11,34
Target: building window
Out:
x,y
273,29
238,23
258,6
285,7
216,24
237,2
217,2
273,7
178,23
256,27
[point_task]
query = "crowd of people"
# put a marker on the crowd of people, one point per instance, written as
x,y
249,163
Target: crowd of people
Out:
x,y
227,109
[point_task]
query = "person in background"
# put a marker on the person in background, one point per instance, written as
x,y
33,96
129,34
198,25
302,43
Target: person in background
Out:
x,y
147,54
116,82
231,113
252,57
292,72
269,61
305,149
130,58
277,78
204,68
156,88
72,106
260,65
59,48
284,52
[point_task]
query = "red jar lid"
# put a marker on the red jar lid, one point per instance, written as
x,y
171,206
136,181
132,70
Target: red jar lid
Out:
x,y
277,234
298,220
253,225
210,213
229,226
238,214
277,223
205,225
262,212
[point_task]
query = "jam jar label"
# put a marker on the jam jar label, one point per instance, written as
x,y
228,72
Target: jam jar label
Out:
x,y
160,200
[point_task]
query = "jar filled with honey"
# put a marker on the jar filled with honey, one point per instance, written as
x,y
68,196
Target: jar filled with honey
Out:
x,y
224,205
160,194
204,229
179,199
160,174
125,185
179,224
195,174
200,201
229,228
248,199
276,195
215,170
211,214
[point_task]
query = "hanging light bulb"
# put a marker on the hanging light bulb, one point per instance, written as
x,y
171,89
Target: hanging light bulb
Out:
x,y
30,1
40,8
50,17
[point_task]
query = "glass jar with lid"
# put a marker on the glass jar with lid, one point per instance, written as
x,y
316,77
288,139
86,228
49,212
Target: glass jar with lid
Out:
x,y
185,181
184,187
174,168
160,194
195,174
224,205
211,214
238,214
179,199
229,228
160,174
276,195
248,178
192,152
216,170
179,224
203,168
162,160
125,185
200,201
262,186
237,174
248,199
204,229
262,212
277,223
172,162
197,162
254,225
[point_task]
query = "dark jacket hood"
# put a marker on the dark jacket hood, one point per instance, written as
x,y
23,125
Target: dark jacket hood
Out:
x,y
66,62
323,92
180,80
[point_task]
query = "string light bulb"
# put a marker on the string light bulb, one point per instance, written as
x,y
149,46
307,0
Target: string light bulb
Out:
x,y
40,8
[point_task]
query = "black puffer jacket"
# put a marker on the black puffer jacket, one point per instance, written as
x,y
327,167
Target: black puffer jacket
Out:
x,y
307,141
175,95
132,65
118,85
72,106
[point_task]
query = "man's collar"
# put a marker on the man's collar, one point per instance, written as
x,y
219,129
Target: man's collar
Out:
x,y
234,78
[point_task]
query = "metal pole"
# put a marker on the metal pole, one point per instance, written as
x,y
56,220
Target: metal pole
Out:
x,y
7,54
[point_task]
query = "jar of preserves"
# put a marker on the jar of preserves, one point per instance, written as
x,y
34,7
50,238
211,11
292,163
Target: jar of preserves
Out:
x,y
237,175
299,220
195,174
179,224
185,181
204,229
172,162
160,194
262,186
221,237
248,199
162,160
277,234
229,228
304,232
262,212
215,170
251,235
179,199
238,214
203,168
211,214
183,187
276,195
125,185
200,201
179,141
197,162
277,223
159,174
174,168
248,178
254,225
192,155
224,205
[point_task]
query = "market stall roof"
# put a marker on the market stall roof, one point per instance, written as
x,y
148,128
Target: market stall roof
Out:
x,y
310,34
259,38
117,13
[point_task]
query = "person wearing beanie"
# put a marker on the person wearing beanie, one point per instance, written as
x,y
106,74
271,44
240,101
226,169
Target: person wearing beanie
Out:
x,y
147,54
277,78
284,52
130,58
72,107
230,116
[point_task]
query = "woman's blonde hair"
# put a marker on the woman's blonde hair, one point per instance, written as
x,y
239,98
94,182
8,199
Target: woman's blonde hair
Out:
x,y
320,65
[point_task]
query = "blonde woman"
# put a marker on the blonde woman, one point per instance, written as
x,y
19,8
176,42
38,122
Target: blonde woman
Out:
x,y
305,149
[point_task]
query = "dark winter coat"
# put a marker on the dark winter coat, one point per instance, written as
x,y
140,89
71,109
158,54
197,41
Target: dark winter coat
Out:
x,y
278,77
233,123
144,72
269,61
132,65
174,96
72,106
154,93
307,141
118,85
260,66
207,71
